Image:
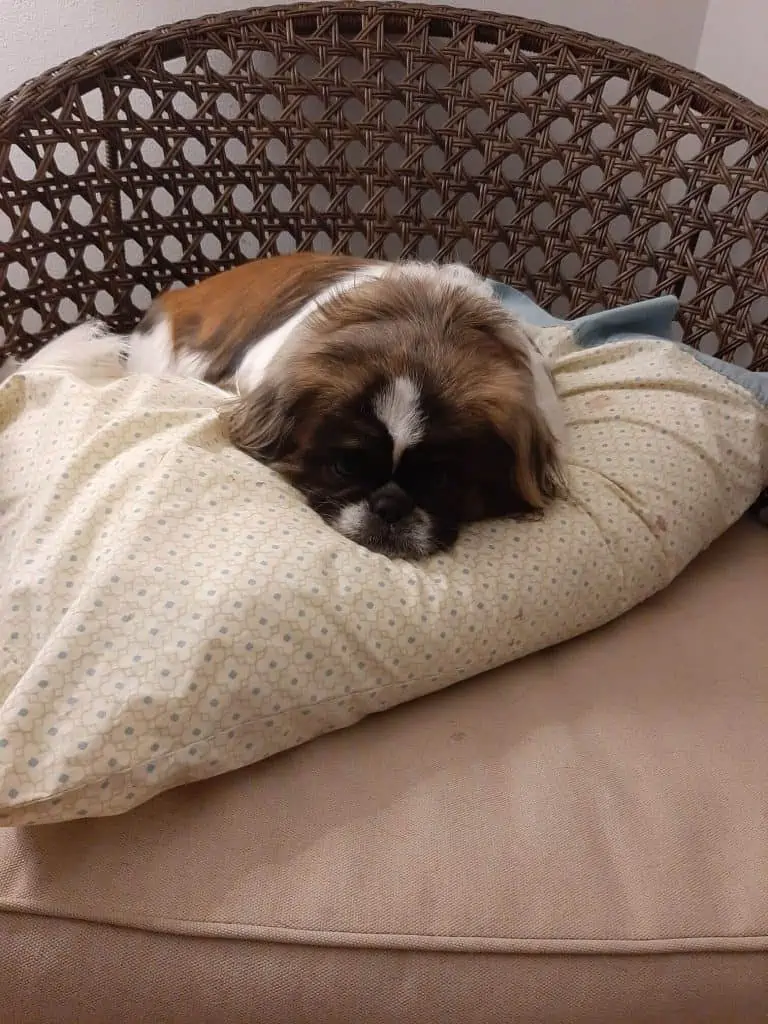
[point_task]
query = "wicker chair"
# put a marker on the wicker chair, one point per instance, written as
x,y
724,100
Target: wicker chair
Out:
x,y
585,172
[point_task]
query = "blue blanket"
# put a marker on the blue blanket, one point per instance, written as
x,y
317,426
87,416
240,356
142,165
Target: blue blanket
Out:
x,y
651,318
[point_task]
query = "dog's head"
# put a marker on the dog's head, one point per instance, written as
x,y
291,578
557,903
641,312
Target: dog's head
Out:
x,y
406,407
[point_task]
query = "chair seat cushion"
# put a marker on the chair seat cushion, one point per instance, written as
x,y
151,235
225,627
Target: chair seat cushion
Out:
x,y
578,836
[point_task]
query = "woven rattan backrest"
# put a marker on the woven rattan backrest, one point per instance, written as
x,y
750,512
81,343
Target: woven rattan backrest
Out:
x,y
585,172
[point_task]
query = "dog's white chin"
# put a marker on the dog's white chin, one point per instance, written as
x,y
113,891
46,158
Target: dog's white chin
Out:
x,y
413,537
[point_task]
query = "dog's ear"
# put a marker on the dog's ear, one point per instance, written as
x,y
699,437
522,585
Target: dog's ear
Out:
x,y
528,416
531,450
261,423
537,469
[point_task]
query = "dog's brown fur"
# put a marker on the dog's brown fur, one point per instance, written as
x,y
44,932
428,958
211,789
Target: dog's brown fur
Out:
x,y
223,315
328,406
384,329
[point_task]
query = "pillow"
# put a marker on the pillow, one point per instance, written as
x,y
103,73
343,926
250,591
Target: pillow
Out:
x,y
171,610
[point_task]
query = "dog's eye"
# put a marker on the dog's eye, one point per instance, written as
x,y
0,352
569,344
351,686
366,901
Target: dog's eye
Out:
x,y
347,463
435,476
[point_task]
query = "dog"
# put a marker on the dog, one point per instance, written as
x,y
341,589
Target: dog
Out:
x,y
401,399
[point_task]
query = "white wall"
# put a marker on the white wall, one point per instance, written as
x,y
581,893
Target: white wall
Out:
x,y
37,34
733,46
670,28
724,39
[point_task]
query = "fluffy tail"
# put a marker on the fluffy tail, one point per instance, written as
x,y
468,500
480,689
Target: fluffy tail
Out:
x,y
87,351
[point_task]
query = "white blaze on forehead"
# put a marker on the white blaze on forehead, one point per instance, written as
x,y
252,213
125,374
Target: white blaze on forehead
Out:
x,y
398,408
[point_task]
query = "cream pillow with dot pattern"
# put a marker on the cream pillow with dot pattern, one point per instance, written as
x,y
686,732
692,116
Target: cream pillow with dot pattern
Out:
x,y
170,610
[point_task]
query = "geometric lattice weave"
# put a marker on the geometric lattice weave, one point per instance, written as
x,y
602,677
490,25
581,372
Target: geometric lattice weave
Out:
x,y
582,171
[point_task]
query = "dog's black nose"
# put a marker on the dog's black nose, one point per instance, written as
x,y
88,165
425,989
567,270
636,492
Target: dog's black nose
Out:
x,y
391,503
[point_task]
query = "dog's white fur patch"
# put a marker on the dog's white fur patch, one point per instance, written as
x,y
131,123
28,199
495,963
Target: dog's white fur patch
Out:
x,y
351,520
90,353
398,408
152,352
420,534
254,364
87,351
414,539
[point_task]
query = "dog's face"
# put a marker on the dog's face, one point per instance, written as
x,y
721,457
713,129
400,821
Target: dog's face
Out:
x,y
403,412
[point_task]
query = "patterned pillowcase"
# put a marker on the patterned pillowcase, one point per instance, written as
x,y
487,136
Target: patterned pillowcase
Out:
x,y
651,318
171,610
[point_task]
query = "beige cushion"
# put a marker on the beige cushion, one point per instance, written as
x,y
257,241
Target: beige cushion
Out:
x,y
170,609
579,837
